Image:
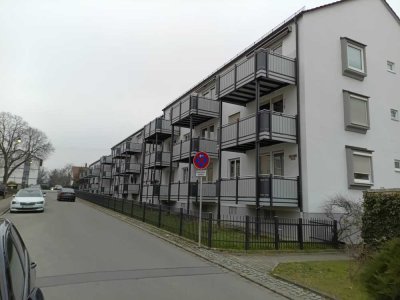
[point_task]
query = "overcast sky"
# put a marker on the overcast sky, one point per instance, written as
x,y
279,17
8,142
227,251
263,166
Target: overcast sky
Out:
x,y
91,72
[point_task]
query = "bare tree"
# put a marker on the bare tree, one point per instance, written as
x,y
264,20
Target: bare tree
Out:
x,y
43,176
61,176
20,143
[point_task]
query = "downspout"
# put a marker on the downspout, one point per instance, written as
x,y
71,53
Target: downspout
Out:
x,y
300,185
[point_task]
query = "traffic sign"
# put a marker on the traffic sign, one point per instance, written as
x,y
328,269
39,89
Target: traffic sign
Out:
x,y
201,160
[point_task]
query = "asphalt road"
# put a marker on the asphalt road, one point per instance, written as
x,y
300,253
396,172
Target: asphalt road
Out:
x,y
85,254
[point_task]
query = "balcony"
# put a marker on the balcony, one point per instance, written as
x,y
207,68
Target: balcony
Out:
x,y
158,130
106,160
274,128
128,188
180,151
130,168
129,148
284,191
237,84
155,190
105,190
158,160
179,192
93,173
199,108
117,154
105,175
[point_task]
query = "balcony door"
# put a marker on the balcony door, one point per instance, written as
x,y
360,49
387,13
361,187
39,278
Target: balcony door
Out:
x,y
272,164
274,104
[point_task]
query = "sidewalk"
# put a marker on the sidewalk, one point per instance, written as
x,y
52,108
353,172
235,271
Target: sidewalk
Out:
x,y
4,204
254,267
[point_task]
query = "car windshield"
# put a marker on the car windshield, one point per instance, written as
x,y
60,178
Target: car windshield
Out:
x,y
29,193
68,190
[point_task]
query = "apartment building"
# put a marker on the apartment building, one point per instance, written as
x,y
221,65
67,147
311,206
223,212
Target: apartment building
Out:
x,y
127,166
26,174
308,112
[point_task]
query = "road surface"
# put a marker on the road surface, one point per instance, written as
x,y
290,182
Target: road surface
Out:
x,y
83,253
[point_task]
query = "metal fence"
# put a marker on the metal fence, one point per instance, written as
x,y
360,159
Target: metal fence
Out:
x,y
230,232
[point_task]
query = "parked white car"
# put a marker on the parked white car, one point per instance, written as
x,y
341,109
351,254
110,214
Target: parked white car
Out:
x,y
28,200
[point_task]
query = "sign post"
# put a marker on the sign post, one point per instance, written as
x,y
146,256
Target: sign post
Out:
x,y
201,162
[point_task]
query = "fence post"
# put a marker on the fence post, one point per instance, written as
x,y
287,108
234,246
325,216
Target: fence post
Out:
x,y
335,238
144,212
132,208
159,215
115,204
300,234
247,234
181,221
276,221
209,233
123,204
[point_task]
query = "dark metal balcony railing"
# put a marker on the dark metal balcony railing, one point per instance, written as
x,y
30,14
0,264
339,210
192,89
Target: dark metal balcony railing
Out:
x,y
131,148
130,168
179,191
236,85
158,159
154,190
106,174
159,129
130,188
117,154
274,128
201,109
284,190
105,160
180,151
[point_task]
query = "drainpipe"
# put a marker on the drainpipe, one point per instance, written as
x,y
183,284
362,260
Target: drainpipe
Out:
x,y
257,91
300,179
190,162
219,154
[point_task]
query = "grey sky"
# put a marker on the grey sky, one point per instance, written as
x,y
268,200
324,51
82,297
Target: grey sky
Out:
x,y
91,72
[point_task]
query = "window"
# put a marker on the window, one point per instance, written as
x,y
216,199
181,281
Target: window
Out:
x,y
208,132
356,112
265,164
359,165
278,164
353,59
234,118
186,137
390,66
210,171
277,104
277,48
394,114
185,172
234,168
397,165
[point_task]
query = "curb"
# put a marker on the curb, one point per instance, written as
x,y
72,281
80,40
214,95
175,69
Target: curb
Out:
x,y
133,222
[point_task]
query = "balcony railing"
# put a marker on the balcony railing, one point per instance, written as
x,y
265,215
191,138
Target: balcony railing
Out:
x,y
130,168
180,151
128,188
284,191
158,159
154,190
131,148
105,190
274,128
105,174
236,85
179,191
117,154
201,109
106,160
158,129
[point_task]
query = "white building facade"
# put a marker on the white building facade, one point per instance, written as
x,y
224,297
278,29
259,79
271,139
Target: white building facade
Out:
x,y
308,112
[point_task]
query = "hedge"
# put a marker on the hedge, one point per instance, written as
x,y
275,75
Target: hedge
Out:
x,y
381,218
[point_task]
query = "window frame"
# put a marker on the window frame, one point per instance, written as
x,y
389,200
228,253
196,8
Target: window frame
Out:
x,y
390,66
235,161
396,117
348,123
353,182
348,70
397,169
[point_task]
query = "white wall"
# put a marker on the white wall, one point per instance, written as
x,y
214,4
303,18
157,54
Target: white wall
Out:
x,y
322,82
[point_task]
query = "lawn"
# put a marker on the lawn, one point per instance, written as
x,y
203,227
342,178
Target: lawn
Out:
x,y
328,277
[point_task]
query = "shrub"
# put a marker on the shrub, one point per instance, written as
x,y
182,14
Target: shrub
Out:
x,y
381,274
381,219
